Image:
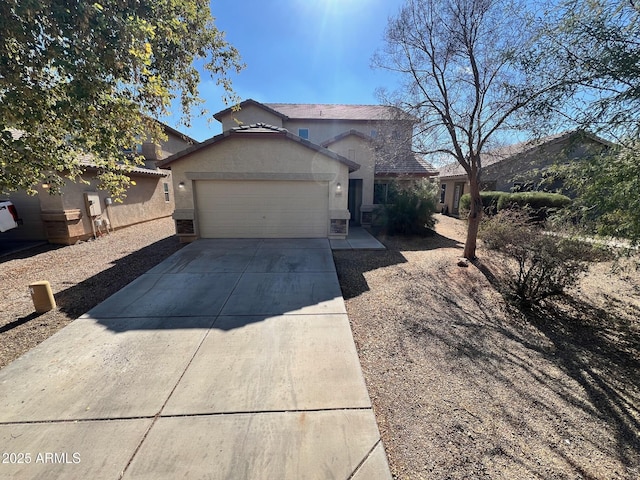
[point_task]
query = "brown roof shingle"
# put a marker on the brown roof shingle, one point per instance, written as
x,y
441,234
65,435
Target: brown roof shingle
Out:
x,y
313,111
498,155
410,164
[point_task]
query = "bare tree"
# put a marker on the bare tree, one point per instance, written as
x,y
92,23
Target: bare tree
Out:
x,y
464,63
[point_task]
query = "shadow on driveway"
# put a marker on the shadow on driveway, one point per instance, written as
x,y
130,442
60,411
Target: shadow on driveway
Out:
x,y
82,297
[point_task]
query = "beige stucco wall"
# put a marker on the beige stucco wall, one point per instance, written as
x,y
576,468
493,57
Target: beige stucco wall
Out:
x,y
66,219
248,115
258,158
145,201
153,152
358,150
323,130
173,144
523,167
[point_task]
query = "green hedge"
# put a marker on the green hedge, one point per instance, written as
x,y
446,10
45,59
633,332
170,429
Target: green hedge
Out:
x,y
540,203
490,201
534,200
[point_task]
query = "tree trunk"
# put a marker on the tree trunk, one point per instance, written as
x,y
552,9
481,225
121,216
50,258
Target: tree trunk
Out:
x,y
475,215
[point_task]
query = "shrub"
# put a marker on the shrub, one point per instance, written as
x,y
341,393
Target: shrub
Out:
x,y
464,205
489,199
412,209
540,204
540,265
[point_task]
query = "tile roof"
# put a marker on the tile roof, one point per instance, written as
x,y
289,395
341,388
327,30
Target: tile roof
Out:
x,y
498,155
410,164
313,111
86,160
218,116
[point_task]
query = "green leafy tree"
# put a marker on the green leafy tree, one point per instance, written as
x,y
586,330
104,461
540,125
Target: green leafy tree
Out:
x,y
608,201
82,81
465,66
598,42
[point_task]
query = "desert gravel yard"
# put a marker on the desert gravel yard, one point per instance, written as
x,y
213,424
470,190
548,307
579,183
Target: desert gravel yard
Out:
x,y
81,276
465,387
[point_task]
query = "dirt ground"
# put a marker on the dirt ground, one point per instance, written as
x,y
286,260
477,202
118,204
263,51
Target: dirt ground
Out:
x,y
464,386
81,276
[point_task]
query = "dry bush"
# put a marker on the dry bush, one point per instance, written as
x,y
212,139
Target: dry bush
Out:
x,y
537,264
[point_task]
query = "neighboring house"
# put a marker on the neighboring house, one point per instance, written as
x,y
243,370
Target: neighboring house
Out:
x,y
291,170
82,211
518,167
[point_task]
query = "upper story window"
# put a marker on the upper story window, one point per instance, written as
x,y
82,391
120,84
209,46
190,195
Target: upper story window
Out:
x,y
165,188
137,149
303,133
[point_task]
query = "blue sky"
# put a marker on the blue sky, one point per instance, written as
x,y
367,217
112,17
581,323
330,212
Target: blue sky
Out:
x,y
299,51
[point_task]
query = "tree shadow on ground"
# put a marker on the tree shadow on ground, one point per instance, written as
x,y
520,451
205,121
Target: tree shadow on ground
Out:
x,y
83,296
14,250
601,352
599,349
353,264
432,241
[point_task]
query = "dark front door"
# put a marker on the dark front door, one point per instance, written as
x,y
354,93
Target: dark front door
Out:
x,y
458,190
355,200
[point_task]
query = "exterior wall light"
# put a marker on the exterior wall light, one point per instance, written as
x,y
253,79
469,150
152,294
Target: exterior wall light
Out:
x,y
338,188
181,185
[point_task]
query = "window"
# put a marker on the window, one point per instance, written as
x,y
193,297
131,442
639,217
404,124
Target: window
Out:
x,y
303,133
137,149
380,193
165,187
443,191
374,133
384,192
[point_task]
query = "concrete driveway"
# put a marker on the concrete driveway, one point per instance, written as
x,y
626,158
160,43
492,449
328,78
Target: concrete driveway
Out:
x,y
231,359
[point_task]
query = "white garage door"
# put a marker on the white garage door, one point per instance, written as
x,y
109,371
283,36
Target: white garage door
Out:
x,y
262,209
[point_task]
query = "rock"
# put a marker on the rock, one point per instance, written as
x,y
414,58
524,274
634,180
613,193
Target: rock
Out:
x,y
463,262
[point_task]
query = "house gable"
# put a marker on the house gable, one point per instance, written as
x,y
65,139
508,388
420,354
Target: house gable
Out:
x,y
249,112
258,131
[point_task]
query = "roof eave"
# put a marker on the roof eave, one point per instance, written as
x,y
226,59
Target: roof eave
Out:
x,y
218,116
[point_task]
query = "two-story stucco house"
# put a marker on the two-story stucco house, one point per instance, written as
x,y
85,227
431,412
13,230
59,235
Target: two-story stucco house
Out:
x,y
292,170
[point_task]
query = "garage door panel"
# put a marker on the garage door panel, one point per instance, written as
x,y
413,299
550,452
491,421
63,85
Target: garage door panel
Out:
x,y
267,209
